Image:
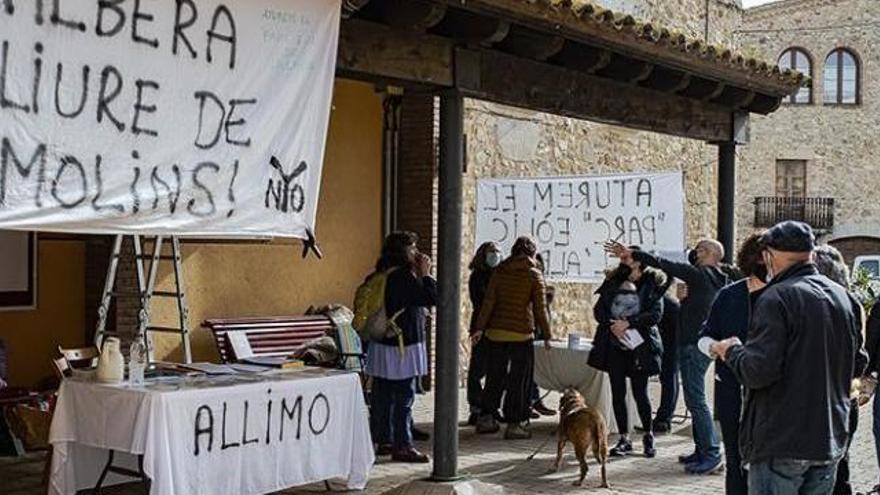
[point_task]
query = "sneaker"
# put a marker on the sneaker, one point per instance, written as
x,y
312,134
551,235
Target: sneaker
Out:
x,y
624,446
486,424
383,449
410,454
648,445
420,435
543,410
689,459
517,431
661,426
705,466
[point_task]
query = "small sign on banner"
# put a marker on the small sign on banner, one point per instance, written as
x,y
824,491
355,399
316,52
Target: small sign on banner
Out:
x,y
570,218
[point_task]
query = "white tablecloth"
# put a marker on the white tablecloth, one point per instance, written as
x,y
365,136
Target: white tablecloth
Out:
x,y
561,367
231,435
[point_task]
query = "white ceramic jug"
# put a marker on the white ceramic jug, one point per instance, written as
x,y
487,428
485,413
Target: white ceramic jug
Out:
x,y
111,365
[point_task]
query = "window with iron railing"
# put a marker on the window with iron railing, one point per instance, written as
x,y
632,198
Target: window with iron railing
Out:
x,y
818,212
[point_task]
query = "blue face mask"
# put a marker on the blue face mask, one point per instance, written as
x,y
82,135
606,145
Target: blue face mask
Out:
x,y
493,259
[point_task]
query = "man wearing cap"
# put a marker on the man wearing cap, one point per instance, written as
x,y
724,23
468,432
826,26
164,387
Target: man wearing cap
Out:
x,y
704,279
796,370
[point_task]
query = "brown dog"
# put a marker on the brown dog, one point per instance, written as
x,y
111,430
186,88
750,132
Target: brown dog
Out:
x,y
585,428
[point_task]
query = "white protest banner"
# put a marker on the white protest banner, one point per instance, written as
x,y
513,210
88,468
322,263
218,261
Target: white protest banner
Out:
x,y
571,217
188,117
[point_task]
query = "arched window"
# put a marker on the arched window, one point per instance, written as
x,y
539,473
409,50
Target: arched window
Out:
x,y
841,78
797,59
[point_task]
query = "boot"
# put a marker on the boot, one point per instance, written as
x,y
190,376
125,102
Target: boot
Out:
x,y
487,425
648,445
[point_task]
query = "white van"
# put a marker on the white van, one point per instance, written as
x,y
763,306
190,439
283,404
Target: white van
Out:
x,y
869,263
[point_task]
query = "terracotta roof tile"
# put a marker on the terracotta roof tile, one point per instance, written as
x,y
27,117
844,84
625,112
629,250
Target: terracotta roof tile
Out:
x,y
645,32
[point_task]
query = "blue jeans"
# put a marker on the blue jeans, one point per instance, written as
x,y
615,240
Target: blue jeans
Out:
x,y
693,380
391,404
791,477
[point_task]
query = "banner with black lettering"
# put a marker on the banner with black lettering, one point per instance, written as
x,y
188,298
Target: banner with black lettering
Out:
x,y
242,435
187,117
570,218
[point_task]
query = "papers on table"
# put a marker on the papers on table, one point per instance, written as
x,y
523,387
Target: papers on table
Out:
x,y
210,368
632,339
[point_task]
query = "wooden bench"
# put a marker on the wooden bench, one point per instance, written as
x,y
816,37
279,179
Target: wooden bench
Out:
x,y
268,336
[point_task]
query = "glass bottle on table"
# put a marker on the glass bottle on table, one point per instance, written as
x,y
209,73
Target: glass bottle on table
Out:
x,y
137,361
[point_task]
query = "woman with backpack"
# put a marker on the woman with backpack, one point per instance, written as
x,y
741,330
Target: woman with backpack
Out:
x,y
396,360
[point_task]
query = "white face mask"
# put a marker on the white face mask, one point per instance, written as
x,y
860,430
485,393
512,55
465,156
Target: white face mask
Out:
x,y
493,259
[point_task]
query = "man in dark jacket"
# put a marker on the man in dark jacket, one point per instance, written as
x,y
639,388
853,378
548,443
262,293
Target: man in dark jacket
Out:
x,y
796,367
704,279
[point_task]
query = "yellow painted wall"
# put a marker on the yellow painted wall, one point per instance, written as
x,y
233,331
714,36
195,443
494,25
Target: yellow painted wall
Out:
x,y
33,335
248,280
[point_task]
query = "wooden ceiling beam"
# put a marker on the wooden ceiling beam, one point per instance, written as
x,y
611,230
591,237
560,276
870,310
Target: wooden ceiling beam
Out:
x,y
582,57
764,104
735,98
472,29
554,89
409,15
627,70
531,44
369,50
666,80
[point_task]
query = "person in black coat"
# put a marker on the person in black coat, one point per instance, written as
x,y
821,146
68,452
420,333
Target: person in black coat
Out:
x,y
487,257
610,355
729,317
796,368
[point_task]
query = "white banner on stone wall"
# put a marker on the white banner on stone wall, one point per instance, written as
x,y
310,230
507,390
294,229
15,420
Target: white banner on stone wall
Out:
x,y
198,117
571,217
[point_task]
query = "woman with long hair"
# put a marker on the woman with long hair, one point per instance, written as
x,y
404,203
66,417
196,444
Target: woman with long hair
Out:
x,y
487,257
396,362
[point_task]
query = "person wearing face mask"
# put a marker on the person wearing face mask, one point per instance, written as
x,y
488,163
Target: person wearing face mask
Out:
x,y
796,369
729,317
515,304
487,257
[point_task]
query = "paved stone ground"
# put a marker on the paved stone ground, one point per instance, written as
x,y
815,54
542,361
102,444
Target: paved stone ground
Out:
x,y
493,460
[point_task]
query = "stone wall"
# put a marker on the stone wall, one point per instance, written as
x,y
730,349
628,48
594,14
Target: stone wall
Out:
x,y
838,142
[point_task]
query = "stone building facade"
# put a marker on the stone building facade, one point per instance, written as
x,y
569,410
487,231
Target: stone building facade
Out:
x,y
817,147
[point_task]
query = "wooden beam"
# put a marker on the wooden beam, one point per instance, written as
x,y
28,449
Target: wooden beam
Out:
x,y
472,29
666,80
582,57
626,70
548,88
702,89
735,98
528,43
567,21
764,104
412,15
374,51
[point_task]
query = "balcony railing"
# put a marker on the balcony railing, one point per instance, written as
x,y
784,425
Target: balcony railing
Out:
x,y
818,212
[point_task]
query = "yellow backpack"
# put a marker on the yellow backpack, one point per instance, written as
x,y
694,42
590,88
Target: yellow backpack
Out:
x,y
370,319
